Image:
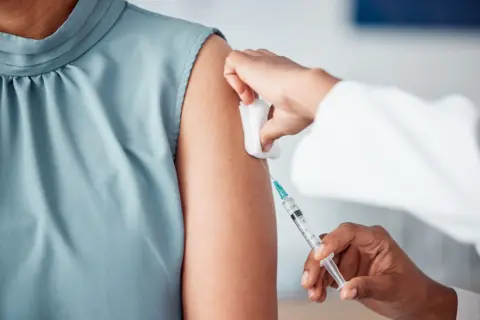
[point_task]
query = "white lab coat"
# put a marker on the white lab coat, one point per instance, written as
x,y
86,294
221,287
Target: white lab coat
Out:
x,y
381,146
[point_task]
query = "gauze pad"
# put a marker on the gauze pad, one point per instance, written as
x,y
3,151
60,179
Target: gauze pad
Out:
x,y
254,116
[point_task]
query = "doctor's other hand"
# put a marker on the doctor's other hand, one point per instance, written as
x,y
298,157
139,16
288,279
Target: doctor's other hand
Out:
x,y
379,275
294,90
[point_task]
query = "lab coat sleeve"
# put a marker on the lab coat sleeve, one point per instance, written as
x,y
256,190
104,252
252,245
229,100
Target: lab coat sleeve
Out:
x,y
381,146
468,305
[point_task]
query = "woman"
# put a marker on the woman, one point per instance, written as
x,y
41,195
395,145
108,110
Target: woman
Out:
x,y
110,201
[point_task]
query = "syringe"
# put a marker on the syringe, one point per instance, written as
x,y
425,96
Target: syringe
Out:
x,y
296,215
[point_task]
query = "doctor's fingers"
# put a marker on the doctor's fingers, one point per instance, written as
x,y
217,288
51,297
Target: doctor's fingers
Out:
x,y
314,280
319,292
349,234
311,272
260,52
314,276
236,79
349,264
243,63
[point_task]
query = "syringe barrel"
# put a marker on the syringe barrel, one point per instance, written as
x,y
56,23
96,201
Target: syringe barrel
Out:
x,y
297,216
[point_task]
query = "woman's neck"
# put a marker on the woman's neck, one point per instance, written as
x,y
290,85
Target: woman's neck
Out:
x,y
34,19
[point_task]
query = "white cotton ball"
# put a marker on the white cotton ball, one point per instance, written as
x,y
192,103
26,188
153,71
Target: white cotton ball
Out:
x,y
254,116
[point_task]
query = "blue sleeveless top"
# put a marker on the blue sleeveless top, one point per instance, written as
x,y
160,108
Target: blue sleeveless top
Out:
x,y
90,215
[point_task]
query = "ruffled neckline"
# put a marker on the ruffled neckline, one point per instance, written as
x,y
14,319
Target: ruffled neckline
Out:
x,y
89,21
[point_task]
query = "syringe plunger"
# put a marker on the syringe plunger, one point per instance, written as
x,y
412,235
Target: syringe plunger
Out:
x,y
332,269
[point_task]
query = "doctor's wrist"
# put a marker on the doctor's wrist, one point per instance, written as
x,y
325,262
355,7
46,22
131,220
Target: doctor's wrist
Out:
x,y
440,303
444,306
318,84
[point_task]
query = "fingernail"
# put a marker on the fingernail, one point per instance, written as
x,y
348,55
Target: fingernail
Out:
x,y
267,147
349,294
311,293
322,300
305,278
319,252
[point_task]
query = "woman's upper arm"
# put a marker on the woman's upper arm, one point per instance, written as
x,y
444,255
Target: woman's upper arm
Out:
x,y
230,264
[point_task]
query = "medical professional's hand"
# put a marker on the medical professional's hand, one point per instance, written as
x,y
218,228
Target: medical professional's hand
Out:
x,y
379,275
295,91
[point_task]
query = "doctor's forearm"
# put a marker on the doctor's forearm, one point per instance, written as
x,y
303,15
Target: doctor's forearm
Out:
x,y
382,146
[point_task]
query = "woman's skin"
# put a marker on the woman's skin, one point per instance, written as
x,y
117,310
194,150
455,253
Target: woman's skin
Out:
x,y
231,241
224,192
34,19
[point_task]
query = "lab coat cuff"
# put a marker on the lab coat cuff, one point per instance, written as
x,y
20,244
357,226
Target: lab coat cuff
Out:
x,y
339,99
468,305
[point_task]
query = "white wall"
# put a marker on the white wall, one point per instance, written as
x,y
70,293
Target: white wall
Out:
x,y
319,33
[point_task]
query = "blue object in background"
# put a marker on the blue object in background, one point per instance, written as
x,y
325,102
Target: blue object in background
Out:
x,y
418,13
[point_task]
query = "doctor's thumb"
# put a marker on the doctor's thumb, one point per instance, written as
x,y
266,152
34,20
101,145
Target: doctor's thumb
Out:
x,y
269,133
373,287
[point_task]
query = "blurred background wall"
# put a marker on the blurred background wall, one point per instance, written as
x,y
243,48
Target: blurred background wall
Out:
x,y
427,62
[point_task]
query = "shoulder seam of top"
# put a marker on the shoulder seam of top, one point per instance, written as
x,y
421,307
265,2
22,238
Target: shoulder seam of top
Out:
x,y
157,14
146,11
187,69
